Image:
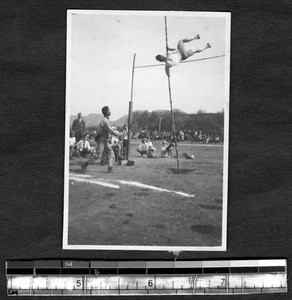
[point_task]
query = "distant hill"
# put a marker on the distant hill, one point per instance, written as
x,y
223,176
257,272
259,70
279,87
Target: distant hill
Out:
x,y
90,120
121,121
94,119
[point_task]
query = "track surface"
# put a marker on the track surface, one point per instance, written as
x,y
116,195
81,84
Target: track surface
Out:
x,y
147,204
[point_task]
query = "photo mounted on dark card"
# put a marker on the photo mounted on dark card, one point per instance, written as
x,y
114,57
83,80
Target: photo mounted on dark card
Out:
x,y
147,127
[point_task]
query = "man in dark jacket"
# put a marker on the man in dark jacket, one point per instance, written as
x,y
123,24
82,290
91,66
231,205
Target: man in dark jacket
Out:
x,y
78,127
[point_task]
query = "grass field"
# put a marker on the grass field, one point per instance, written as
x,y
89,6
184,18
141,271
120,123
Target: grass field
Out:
x,y
127,214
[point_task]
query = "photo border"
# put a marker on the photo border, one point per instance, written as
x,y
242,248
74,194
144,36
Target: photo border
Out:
x,y
223,247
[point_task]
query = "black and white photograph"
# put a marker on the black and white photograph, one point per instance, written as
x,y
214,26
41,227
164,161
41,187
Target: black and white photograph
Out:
x,y
147,129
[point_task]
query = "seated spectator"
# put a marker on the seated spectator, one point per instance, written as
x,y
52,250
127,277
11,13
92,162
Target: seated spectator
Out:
x,y
163,149
93,144
143,147
116,145
83,146
189,156
72,143
151,149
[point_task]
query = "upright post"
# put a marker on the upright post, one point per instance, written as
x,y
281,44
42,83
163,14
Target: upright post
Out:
x,y
170,100
130,110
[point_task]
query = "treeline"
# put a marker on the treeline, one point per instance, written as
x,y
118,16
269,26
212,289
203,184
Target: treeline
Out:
x,y
209,123
199,123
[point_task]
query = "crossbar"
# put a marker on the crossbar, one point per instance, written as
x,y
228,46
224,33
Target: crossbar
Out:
x,y
182,62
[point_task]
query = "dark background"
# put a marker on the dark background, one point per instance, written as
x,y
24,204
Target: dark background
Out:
x,y
33,68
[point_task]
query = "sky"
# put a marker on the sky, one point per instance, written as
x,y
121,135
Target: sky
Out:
x,y
100,51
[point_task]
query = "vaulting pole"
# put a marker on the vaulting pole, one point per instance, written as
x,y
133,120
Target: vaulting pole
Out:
x,y
170,100
130,110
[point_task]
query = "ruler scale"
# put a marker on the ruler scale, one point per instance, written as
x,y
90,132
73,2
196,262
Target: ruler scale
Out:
x,y
64,277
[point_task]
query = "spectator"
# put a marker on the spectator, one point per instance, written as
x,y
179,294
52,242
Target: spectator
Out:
x,y
116,146
78,127
151,149
83,146
72,143
93,144
125,141
143,147
163,149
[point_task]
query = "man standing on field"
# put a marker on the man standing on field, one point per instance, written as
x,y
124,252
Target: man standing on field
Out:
x,y
104,135
78,127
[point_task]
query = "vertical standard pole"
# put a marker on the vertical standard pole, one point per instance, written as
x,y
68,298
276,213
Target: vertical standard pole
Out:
x,y
170,100
130,109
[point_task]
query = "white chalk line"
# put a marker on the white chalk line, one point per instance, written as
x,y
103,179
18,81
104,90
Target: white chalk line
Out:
x,y
95,182
80,175
133,183
151,187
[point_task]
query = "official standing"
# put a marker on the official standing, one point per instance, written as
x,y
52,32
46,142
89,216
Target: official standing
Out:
x,y
79,127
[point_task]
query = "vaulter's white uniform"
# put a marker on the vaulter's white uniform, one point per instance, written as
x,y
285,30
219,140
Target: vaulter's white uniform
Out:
x,y
173,58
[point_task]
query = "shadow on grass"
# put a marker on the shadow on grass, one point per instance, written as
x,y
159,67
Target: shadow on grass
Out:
x,y
182,171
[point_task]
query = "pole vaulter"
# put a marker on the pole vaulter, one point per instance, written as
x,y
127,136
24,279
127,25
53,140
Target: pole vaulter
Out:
x,y
170,101
172,58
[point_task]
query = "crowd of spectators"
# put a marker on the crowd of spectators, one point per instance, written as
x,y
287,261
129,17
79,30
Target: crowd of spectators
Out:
x,y
183,135
88,146
146,148
83,143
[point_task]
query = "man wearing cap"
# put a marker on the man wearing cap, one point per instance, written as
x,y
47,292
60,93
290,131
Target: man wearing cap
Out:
x,y
104,135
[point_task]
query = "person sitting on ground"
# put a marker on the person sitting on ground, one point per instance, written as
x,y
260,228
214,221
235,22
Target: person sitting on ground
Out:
x,y
169,149
151,149
175,56
116,146
189,156
83,146
93,144
163,149
72,143
217,140
143,147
